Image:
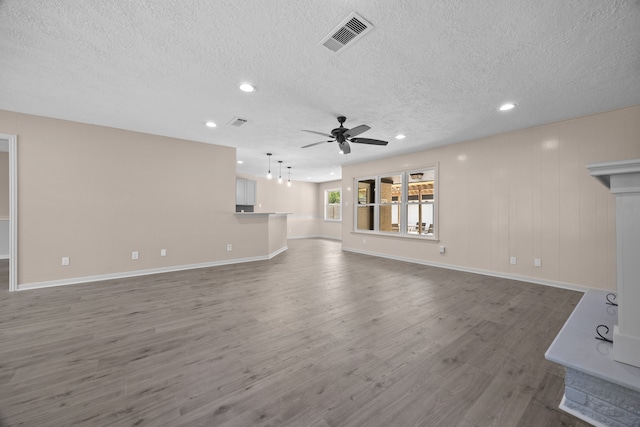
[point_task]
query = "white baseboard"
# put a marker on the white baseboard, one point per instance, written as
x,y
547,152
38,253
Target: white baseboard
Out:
x,y
135,273
314,237
545,282
272,254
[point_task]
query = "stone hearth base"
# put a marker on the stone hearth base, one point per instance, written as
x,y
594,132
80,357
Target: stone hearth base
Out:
x,y
598,389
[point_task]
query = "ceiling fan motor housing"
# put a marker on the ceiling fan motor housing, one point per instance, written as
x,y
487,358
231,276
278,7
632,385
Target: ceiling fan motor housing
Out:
x,y
338,133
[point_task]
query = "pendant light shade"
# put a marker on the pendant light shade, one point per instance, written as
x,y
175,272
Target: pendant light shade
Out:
x,y
280,176
269,176
289,180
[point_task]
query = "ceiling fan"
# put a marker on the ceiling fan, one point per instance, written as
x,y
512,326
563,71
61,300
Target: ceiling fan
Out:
x,y
343,136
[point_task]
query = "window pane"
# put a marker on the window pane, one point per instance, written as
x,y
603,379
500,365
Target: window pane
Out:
x,y
365,217
420,186
366,191
389,218
391,189
420,218
333,212
333,208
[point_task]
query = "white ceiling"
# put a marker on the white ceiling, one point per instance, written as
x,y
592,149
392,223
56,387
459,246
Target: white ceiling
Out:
x,y
435,71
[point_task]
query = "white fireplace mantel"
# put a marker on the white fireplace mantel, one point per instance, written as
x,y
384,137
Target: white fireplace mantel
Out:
x,y
602,378
623,180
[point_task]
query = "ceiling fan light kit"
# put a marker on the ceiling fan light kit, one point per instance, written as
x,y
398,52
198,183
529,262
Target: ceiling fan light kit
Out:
x,y
343,136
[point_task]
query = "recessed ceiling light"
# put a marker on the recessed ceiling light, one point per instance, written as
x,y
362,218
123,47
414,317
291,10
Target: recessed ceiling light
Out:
x,y
210,124
400,136
247,87
508,106
240,162
332,173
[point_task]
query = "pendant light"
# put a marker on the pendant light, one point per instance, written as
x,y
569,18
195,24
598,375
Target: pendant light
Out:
x,y
269,176
289,180
280,176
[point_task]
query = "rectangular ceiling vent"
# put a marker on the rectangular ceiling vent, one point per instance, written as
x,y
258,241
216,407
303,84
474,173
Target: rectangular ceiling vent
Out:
x,y
344,35
237,122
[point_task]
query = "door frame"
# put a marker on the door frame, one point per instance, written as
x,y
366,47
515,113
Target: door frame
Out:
x,y
13,209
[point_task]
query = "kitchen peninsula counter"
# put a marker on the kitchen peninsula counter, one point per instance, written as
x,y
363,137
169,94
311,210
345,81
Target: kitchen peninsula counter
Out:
x,y
268,228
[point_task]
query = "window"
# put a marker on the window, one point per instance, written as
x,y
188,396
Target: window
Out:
x,y
333,207
402,203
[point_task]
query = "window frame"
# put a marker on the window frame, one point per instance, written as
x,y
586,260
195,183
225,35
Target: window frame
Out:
x,y
403,230
327,204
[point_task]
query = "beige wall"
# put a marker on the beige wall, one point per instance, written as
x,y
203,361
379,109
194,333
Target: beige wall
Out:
x,y
277,233
4,185
303,200
300,201
328,229
525,194
96,194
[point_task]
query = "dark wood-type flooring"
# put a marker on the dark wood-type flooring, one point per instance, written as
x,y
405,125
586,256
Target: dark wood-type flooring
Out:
x,y
315,337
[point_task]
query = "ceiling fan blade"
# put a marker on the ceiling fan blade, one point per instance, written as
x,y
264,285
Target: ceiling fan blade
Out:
x,y
318,133
356,131
369,141
344,147
315,143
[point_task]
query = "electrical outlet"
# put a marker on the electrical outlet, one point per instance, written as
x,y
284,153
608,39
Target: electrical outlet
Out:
x,y
229,247
163,252
537,262
442,249
134,255
65,260
513,260
364,241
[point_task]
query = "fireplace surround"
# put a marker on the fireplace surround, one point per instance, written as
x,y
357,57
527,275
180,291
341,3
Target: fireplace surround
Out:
x,y
599,345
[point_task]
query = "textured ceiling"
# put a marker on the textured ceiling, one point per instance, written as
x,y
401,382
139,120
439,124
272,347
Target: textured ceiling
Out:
x,y
433,70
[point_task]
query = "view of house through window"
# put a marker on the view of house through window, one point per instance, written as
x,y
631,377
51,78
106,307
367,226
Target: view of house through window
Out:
x,y
366,198
333,207
405,203
390,199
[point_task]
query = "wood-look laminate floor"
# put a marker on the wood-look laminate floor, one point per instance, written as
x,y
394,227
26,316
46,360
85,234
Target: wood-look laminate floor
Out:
x,y
315,337
4,274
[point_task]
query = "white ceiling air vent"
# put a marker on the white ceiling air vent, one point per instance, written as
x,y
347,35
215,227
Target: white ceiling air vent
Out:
x,y
351,29
237,122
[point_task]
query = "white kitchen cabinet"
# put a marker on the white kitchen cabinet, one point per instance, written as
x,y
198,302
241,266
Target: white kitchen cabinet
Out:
x,y
245,192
